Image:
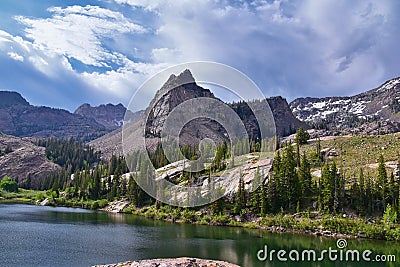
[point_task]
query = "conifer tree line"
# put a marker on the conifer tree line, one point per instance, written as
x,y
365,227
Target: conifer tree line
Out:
x,y
85,176
288,188
71,153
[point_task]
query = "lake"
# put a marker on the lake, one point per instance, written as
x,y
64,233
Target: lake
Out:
x,y
49,236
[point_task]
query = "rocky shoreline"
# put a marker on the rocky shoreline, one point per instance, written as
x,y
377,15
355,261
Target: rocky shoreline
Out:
x,y
120,205
178,262
116,206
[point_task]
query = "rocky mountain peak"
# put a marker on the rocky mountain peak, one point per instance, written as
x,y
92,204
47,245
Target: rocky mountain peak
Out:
x,y
176,90
111,116
8,99
184,77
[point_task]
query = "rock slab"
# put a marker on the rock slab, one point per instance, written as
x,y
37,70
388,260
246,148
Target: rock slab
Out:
x,y
179,262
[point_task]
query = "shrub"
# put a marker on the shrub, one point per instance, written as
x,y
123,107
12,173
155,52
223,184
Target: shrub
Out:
x,y
95,205
103,203
8,185
188,216
221,219
40,197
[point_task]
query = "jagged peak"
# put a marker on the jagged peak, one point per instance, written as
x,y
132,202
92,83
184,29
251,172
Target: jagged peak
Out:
x,y
87,106
184,77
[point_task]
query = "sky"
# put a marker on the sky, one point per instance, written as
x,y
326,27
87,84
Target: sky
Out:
x,y
64,53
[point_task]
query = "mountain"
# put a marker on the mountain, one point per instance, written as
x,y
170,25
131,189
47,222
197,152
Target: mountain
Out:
x,y
20,159
170,95
175,91
109,115
9,99
285,122
19,118
373,112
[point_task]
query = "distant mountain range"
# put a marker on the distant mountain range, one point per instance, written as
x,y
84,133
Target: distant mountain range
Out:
x,y
109,115
373,112
166,100
376,111
19,118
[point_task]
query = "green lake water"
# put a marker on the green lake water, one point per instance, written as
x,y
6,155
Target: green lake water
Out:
x,y
48,236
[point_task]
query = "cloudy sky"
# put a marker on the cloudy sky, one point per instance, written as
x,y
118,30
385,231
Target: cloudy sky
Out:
x,y
64,53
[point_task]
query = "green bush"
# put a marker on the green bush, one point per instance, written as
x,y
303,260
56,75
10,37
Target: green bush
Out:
x,y
341,225
221,219
40,197
188,216
8,185
95,205
103,203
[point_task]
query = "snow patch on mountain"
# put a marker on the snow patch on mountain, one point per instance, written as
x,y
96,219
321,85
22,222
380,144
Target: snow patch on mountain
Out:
x,y
381,103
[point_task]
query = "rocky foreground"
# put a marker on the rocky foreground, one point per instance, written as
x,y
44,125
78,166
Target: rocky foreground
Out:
x,y
180,262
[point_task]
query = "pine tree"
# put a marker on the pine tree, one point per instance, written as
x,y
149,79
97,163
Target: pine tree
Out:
x,y
305,179
95,184
240,199
131,192
255,201
398,201
392,190
337,187
302,136
291,188
328,188
318,151
264,202
382,181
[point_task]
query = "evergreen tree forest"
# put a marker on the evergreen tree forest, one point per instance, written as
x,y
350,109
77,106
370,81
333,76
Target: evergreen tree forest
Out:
x,y
289,188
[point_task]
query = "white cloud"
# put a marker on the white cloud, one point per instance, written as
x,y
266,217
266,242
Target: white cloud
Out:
x,y
15,56
290,48
165,55
5,37
78,32
149,5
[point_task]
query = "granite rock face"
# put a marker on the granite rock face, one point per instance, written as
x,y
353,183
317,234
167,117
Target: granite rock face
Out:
x,y
175,91
179,262
20,159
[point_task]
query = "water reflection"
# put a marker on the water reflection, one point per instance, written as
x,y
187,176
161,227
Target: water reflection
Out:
x,y
75,237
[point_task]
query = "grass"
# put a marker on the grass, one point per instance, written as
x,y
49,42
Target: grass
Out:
x,y
357,152
22,196
305,223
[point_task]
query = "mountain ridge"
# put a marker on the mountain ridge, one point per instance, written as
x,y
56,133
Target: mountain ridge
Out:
x,y
19,118
109,115
178,89
353,114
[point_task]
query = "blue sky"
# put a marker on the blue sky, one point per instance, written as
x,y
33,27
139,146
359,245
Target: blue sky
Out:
x,y
64,53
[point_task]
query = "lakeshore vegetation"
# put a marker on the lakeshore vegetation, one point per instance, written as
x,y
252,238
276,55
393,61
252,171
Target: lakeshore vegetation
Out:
x,y
353,199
